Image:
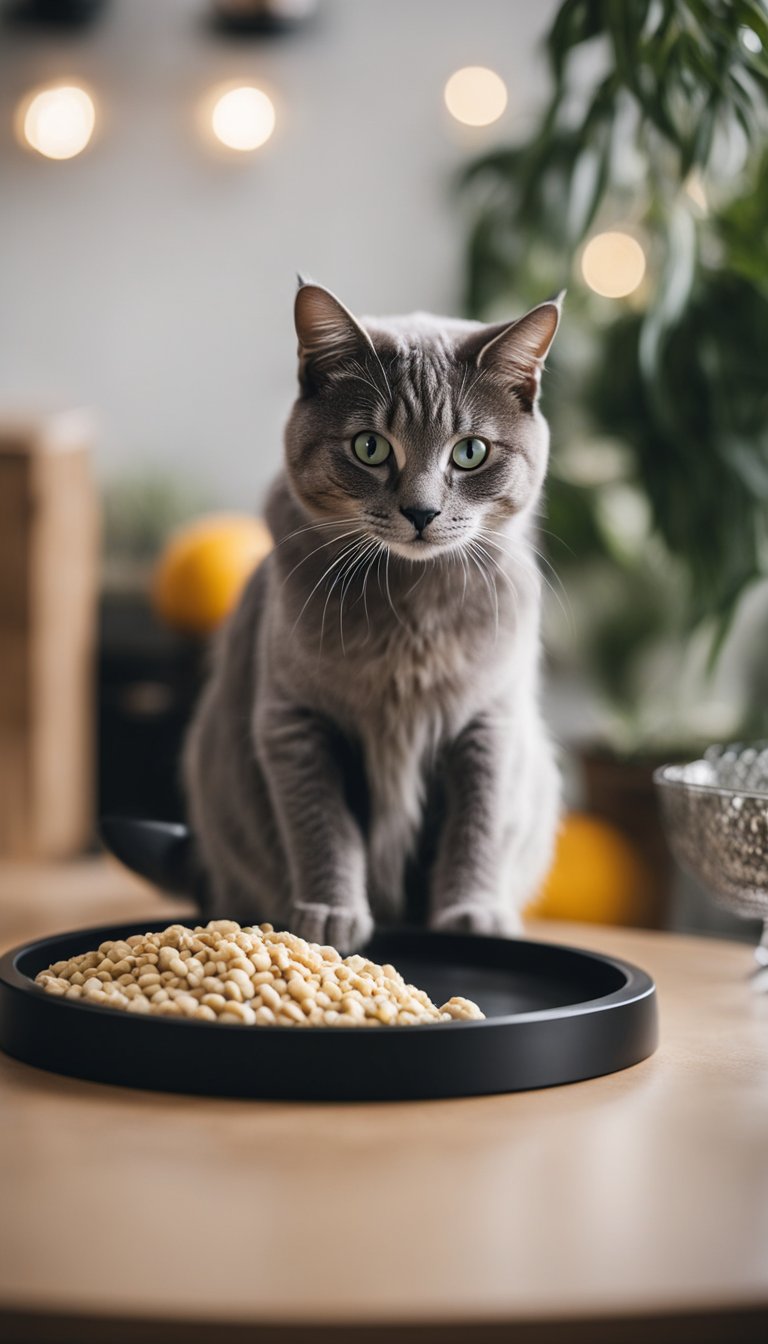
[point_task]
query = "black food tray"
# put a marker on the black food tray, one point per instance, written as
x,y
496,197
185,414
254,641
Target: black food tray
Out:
x,y
553,1015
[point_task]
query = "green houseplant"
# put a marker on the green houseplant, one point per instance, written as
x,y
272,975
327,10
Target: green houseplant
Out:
x,y
658,500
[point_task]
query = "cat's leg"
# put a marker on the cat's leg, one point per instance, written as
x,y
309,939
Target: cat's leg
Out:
x,y
498,829
322,841
532,828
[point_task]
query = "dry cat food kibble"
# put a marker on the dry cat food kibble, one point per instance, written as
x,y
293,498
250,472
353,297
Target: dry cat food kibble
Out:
x,y
247,976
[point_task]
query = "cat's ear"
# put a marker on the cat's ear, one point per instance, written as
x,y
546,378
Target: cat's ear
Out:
x,y
327,332
517,350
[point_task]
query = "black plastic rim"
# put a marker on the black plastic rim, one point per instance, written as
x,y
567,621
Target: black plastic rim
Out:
x,y
569,1042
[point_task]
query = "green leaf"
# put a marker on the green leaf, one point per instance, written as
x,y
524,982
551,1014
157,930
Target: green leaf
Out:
x,y
575,22
678,373
674,288
588,185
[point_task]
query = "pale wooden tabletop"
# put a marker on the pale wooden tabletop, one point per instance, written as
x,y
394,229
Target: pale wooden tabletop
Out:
x,y
581,1213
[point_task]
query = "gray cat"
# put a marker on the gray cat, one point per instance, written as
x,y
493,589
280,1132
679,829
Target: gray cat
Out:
x,y
370,744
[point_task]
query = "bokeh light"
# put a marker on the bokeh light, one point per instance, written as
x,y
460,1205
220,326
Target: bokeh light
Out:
x,y
613,264
475,96
58,122
694,190
750,40
243,118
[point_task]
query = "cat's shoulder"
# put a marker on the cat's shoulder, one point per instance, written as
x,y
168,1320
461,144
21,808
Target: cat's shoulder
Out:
x,y
282,513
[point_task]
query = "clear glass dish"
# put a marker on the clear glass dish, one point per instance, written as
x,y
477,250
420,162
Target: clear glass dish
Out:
x,y
715,814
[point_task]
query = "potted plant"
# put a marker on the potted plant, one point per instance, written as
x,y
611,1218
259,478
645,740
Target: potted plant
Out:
x,y
658,497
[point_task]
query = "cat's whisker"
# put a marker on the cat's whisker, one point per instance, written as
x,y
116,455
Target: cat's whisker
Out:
x,y
389,594
494,532
362,376
501,571
467,392
541,511
545,532
523,563
491,588
516,554
510,555
562,601
545,561
464,577
355,565
369,566
323,545
364,561
565,606
358,378
465,574
350,554
311,527
367,549
489,583
342,579
424,564
338,560
377,357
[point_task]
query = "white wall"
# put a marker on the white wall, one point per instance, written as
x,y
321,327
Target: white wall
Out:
x,y
153,277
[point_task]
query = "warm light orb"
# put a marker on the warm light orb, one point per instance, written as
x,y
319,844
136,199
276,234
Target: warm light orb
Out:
x,y
613,264
58,122
694,190
243,118
475,96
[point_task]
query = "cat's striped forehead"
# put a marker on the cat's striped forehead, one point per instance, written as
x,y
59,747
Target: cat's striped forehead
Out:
x,y
424,397
429,383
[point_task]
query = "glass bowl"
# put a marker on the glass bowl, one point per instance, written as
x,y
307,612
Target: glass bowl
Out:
x,y
715,813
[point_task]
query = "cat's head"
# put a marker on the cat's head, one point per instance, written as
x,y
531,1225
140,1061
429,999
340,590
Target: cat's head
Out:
x,y
419,430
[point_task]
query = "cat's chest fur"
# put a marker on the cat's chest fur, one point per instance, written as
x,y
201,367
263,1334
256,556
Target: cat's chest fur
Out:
x,y
413,701
416,688
410,683
417,672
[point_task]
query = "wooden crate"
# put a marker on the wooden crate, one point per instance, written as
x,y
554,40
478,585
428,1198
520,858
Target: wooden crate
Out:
x,y
48,583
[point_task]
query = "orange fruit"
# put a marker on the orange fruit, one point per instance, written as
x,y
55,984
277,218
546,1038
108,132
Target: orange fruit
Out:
x,y
598,876
204,567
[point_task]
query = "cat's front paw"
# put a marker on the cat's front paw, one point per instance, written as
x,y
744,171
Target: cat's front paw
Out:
x,y
476,917
331,925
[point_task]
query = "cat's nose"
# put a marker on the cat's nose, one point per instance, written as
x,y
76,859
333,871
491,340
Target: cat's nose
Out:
x,y
420,518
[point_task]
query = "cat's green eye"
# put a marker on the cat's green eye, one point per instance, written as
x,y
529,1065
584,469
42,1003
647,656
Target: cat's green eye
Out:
x,y
372,449
469,453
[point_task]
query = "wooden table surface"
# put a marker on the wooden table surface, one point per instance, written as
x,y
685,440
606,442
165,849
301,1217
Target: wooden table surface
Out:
x,y
574,1213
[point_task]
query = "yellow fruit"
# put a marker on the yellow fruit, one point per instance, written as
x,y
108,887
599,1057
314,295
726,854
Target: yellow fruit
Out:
x,y
202,570
598,876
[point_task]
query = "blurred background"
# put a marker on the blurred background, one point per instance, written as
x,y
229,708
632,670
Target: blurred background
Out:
x,y
166,169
